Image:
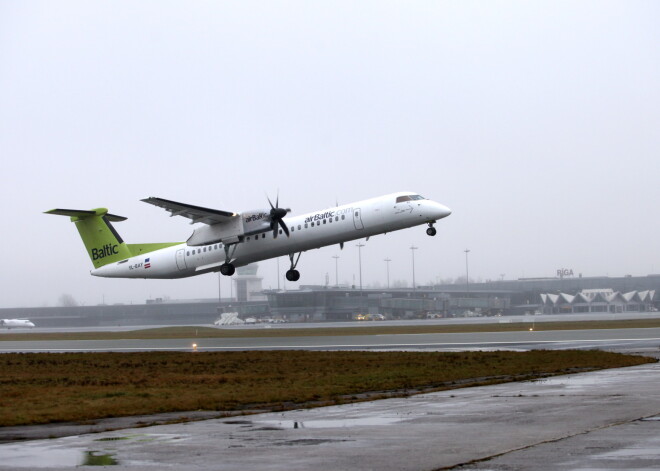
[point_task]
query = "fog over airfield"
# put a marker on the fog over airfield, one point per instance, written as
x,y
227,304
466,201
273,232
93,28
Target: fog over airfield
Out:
x,y
537,123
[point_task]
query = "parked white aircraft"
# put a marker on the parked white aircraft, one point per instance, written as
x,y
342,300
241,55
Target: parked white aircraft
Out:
x,y
9,323
229,240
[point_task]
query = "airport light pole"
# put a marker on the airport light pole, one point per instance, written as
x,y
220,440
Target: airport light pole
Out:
x,y
359,246
336,257
467,272
387,261
412,250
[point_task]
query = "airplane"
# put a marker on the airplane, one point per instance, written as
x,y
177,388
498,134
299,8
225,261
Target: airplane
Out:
x,y
228,240
9,323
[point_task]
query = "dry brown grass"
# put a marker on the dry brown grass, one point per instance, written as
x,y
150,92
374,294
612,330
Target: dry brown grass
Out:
x,y
42,388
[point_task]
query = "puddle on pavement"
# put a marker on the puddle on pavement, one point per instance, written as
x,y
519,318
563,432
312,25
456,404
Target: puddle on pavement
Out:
x,y
651,419
144,437
55,454
95,458
36,455
339,423
572,381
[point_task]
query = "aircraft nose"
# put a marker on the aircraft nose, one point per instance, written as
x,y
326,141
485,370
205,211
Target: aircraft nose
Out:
x,y
441,211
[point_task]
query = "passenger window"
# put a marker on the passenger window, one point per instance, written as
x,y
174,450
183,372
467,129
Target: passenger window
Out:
x,y
324,221
188,253
330,220
306,226
336,218
343,217
299,226
356,214
204,249
312,224
280,231
292,228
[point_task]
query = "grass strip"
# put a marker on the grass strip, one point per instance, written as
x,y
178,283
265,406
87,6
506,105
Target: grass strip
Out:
x,y
39,388
186,332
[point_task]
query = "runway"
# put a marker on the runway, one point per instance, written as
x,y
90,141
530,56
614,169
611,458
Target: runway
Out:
x,y
607,339
393,323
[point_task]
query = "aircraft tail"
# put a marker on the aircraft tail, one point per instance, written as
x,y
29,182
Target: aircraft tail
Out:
x,y
104,245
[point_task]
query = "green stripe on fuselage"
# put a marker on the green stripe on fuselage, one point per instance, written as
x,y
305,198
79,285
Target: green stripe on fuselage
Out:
x,y
138,249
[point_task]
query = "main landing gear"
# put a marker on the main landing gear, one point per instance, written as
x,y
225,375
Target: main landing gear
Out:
x,y
431,230
292,274
228,268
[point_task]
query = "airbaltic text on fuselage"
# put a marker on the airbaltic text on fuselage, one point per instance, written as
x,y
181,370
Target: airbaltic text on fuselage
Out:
x,y
105,251
327,214
256,217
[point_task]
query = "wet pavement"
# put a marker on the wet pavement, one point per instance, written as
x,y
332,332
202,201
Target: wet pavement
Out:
x,y
601,420
605,339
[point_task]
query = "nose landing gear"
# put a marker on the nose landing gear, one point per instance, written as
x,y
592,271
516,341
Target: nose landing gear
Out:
x,y
431,231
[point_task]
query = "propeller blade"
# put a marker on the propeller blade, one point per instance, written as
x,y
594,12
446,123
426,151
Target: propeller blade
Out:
x,y
341,245
284,228
276,216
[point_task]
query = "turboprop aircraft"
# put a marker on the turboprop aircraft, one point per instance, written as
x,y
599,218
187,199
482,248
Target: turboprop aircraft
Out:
x,y
9,323
228,240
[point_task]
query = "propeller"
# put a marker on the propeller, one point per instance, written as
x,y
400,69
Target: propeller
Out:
x,y
276,216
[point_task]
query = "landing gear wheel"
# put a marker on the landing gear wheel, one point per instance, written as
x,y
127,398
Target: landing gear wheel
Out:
x,y
431,231
227,269
292,275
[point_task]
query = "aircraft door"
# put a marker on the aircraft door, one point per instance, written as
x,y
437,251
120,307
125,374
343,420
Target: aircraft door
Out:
x,y
181,259
357,218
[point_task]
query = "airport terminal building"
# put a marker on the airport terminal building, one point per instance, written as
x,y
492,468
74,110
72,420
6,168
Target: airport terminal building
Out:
x,y
331,304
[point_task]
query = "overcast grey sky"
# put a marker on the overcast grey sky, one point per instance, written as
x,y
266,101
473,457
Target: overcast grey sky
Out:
x,y
537,123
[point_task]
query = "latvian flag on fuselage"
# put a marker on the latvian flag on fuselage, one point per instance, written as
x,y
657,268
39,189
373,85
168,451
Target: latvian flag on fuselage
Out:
x,y
146,263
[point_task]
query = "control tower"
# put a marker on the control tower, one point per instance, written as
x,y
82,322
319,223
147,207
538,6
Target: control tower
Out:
x,y
248,284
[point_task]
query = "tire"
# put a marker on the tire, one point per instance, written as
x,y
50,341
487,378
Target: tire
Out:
x,y
227,269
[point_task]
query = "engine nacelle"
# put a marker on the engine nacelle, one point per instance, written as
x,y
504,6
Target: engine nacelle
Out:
x,y
232,231
256,221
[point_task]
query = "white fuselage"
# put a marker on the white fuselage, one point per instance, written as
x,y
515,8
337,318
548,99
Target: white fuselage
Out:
x,y
9,323
308,231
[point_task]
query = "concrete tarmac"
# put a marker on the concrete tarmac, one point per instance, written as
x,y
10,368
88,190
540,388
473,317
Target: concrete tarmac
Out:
x,y
600,420
520,340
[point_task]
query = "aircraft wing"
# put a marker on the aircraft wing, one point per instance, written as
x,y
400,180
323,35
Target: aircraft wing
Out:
x,y
194,213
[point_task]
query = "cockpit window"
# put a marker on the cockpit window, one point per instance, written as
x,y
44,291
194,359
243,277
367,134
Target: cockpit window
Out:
x,y
401,199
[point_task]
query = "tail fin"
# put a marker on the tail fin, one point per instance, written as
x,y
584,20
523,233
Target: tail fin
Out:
x,y
104,245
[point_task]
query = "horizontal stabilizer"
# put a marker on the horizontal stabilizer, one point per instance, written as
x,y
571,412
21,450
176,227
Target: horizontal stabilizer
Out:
x,y
82,214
